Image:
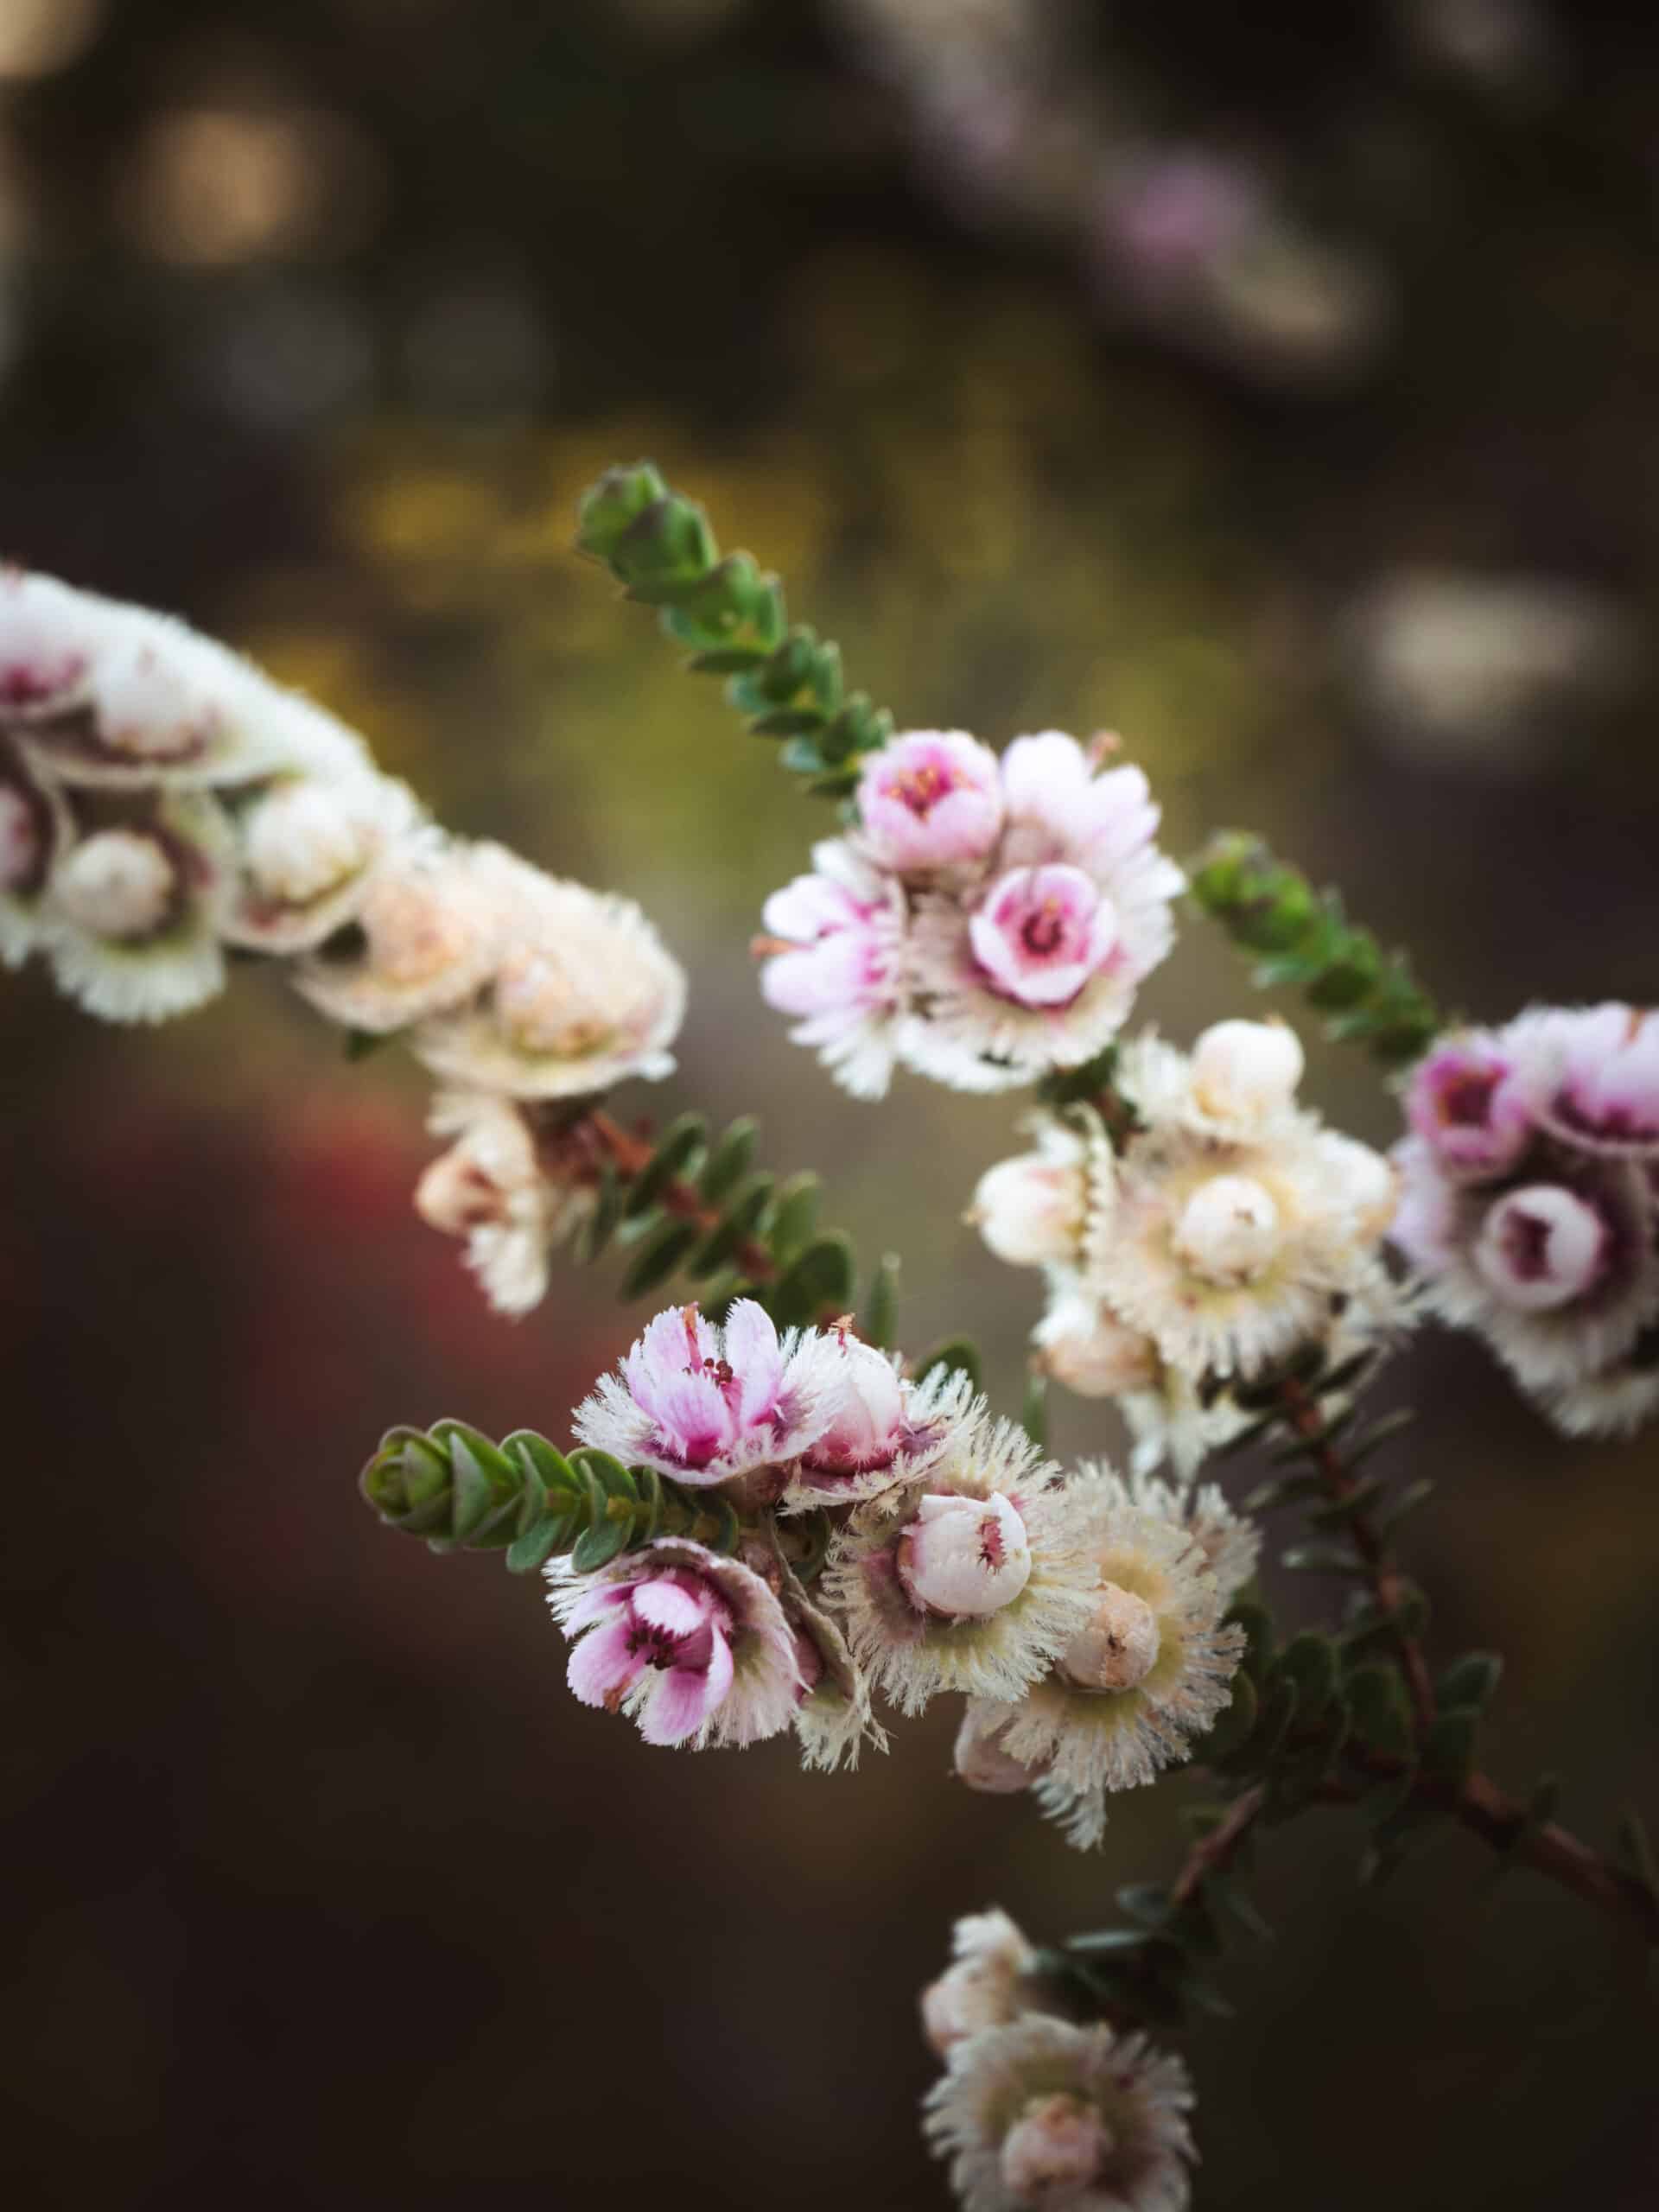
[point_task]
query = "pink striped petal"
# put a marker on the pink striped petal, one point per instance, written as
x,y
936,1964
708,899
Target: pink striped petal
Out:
x,y
604,1663
666,1605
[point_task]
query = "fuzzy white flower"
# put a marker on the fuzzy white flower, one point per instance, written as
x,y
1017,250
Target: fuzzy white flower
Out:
x,y
132,912
1038,1209
1040,2112
583,992
493,1187
426,935
970,1578
1146,1674
987,1983
309,845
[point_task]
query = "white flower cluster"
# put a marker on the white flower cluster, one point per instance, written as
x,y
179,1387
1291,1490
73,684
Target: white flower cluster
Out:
x,y
989,919
1037,2110
1530,1203
1218,1230
161,800
1083,1619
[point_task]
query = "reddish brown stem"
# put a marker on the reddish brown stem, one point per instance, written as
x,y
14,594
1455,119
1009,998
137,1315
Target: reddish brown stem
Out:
x,y
599,1139
1213,1853
1388,1585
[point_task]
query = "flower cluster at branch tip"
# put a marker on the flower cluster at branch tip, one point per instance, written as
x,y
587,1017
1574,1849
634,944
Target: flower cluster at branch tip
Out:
x,y
1037,2110
1216,1228
161,800
985,921
1082,1618
1530,1203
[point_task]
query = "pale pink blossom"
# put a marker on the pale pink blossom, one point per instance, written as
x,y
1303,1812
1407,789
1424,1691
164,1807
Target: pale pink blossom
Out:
x,y
1059,809
1039,933
706,1403
837,964
883,1427
1604,1094
694,1646
929,799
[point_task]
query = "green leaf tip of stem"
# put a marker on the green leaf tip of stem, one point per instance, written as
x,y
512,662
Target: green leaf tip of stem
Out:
x,y
786,682
1308,942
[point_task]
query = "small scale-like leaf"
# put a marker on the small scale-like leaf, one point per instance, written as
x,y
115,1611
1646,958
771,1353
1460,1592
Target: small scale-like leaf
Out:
x,y
794,1217
657,1258
1034,1412
819,1282
739,1222
954,1352
790,721
1470,1681
598,1546
728,1163
1110,1942
879,1322
537,1543
675,1148
1323,1558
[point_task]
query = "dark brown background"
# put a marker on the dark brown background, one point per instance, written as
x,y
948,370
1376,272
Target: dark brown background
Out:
x,y
325,1892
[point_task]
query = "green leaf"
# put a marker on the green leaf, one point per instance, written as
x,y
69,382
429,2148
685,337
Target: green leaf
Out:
x,y
607,1214
793,722
1380,1432
818,1282
675,1148
620,496
1470,1681
545,1466
878,1324
1449,1746
537,1543
360,1043
598,1546
1310,1660
1323,1558
658,1256
729,1162
955,1352
1380,1709
1110,1941
1403,1501
474,1494
794,1217
737,1227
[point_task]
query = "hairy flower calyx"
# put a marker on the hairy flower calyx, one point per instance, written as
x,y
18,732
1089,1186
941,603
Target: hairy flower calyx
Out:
x,y
1228,1232
1057,2146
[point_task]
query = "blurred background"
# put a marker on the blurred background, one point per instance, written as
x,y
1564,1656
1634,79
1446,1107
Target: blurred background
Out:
x,y
1274,386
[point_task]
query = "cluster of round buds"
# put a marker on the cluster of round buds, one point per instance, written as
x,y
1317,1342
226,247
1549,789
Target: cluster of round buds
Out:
x,y
985,921
161,800
1530,1203
1147,1670
1035,2110
1219,1232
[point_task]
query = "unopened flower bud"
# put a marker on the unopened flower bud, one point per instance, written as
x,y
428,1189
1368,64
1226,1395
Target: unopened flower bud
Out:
x,y
965,1556
118,884
1367,1182
1119,1647
1095,1355
980,1760
1056,2148
1229,1230
1246,1070
541,1008
1542,1247
144,707
1030,1211
417,930
303,840
869,1417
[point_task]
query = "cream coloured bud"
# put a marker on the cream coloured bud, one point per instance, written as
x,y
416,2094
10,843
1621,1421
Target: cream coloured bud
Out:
x,y
1031,1210
1229,1230
1542,1247
418,924
20,840
980,1761
144,706
965,1557
118,884
869,1417
1246,1071
1367,1181
1056,2148
1119,1647
542,1007
456,1196
303,840
1081,1345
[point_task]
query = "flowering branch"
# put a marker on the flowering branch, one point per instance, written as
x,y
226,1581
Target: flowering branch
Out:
x,y
1266,907
784,678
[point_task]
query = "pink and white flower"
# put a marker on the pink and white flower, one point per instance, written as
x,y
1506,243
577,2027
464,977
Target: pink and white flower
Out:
x,y
1471,1103
929,799
884,1427
1603,1095
837,964
706,1403
694,1646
